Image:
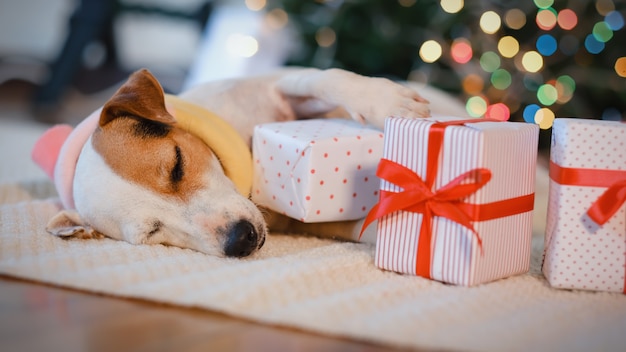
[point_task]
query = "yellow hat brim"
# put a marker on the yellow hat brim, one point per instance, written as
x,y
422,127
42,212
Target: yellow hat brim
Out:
x,y
231,150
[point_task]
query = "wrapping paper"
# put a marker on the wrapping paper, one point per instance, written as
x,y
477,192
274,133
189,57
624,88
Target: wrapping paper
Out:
x,y
497,247
317,170
588,161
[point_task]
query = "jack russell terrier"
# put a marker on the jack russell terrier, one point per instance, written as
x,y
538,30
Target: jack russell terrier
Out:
x,y
152,168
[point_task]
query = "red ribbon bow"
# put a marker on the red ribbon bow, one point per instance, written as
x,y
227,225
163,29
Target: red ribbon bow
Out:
x,y
417,196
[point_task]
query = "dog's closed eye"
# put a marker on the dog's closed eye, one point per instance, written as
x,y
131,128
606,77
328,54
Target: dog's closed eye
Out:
x,y
177,172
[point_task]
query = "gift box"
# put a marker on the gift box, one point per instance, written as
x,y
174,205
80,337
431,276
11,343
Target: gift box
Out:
x,y
456,198
585,242
317,170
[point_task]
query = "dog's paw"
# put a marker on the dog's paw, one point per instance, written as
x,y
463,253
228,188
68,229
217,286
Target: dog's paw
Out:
x,y
374,99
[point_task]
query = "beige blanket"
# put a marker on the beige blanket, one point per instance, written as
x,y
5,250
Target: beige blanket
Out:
x,y
308,283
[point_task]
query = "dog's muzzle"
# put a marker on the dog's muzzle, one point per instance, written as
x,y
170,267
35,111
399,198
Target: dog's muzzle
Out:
x,y
242,239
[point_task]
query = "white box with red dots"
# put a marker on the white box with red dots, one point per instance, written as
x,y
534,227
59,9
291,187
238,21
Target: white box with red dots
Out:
x,y
585,242
317,170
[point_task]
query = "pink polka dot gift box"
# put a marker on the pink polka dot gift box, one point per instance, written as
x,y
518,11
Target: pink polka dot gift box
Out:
x,y
317,170
456,198
585,242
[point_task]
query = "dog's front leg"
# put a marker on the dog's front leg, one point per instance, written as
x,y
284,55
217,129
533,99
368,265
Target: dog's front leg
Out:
x,y
366,99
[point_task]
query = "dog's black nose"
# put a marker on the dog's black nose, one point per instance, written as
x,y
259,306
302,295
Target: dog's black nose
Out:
x,y
242,239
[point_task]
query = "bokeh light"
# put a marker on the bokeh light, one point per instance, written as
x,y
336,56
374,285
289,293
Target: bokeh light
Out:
x,y
473,84
569,44
593,45
241,45
567,19
461,50
489,61
532,81
325,37
565,87
476,106
546,19
611,114
530,111
277,18
620,66
256,5
602,32
615,20
544,117
515,18
604,7
407,3
452,6
490,22
498,111
532,61
508,46
546,44
501,79
543,4
547,94
430,51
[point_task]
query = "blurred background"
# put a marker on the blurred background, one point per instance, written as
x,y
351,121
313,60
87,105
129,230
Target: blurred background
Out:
x,y
530,60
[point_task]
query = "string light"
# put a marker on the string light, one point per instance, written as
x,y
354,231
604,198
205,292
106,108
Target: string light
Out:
x,y
532,61
240,45
508,46
620,66
544,117
546,19
515,18
256,5
547,94
498,111
476,106
489,61
543,4
567,19
490,22
614,20
565,87
325,37
473,84
604,7
452,6
501,79
461,50
529,112
593,45
430,51
546,44
602,32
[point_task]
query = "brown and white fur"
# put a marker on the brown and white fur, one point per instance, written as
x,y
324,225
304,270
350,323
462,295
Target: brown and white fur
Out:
x,y
187,201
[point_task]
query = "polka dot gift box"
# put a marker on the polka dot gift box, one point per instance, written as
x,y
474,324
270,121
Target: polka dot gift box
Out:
x,y
456,199
317,170
585,242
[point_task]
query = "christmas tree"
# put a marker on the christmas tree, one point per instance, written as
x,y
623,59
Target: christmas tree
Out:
x,y
523,61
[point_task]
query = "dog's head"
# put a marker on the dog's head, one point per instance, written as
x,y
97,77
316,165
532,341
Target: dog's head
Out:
x,y
142,179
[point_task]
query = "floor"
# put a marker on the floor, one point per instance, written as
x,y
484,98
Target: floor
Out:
x,y
36,317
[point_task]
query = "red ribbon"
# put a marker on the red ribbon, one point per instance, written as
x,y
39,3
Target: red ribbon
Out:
x,y
417,196
609,202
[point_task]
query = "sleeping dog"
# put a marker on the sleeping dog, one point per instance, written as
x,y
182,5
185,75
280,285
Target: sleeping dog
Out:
x,y
155,168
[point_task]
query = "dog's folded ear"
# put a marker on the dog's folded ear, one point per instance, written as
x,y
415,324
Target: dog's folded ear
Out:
x,y
140,97
68,223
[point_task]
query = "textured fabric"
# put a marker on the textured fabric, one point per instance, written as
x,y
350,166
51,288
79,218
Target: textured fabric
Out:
x,y
307,283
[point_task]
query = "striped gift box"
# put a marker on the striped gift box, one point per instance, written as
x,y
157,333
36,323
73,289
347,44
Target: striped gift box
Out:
x,y
500,243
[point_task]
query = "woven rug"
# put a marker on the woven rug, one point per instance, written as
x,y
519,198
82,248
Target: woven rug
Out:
x,y
308,283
